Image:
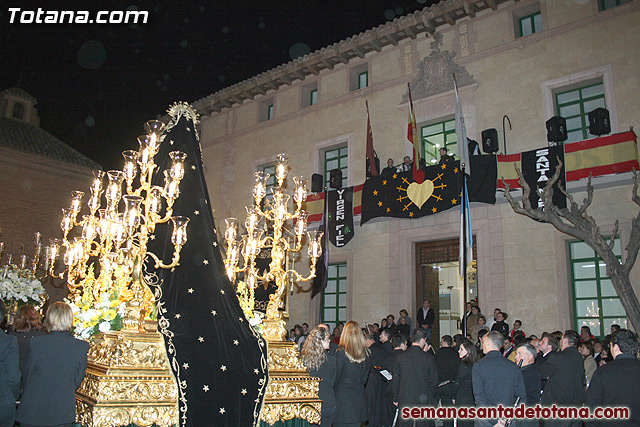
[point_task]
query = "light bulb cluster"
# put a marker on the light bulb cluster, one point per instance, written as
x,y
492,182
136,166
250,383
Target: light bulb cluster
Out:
x,y
269,224
121,215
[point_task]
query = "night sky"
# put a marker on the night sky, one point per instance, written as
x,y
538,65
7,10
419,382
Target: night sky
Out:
x,y
96,84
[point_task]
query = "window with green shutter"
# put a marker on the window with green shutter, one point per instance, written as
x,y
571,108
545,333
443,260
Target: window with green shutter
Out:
x,y
595,302
436,136
334,296
336,158
575,104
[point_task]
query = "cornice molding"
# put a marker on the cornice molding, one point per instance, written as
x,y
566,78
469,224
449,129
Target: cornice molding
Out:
x,y
427,20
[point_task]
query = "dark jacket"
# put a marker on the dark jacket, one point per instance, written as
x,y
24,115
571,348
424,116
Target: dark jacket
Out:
x,y
502,327
53,371
9,379
23,343
448,362
464,389
415,378
564,371
497,380
349,389
616,384
327,371
422,319
376,388
532,383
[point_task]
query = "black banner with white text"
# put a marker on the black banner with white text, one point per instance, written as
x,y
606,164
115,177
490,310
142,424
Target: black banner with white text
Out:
x,y
340,216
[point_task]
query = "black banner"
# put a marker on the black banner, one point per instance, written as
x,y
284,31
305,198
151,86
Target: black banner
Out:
x,y
340,216
538,166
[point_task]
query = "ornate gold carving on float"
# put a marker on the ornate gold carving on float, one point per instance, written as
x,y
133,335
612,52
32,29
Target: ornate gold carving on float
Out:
x,y
128,381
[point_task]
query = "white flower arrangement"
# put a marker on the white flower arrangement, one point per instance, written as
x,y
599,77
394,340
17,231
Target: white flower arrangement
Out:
x,y
20,286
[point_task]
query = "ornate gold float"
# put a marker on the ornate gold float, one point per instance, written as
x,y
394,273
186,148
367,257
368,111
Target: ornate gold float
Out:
x,y
128,378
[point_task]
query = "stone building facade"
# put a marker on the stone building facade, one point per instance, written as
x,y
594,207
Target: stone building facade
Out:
x,y
38,173
529,60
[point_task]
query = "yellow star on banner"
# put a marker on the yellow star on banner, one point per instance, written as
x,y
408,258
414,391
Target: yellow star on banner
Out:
x,y
410,214
455,170
444,166
388,210
375,192
434,210
380,204
454,201
384,182
395,175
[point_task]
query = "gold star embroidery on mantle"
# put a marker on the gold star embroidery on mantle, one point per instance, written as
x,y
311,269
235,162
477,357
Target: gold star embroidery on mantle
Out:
x,y
196,212
222,410
256,371
244,391
177,316
193,167
200,339
223,368
215,313
190,290
205,262
222,291
185,365
205,388
235,342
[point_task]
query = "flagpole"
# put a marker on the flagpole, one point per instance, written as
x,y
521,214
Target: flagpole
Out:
x,y
464,255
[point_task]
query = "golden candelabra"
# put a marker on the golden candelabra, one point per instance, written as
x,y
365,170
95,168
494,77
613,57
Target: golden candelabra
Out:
x,y
291,392
128,378
119,237
272,219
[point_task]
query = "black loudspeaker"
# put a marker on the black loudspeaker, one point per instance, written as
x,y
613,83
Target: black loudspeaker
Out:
x,y
599,122
556,129
474,149
316,183
490,141
335,179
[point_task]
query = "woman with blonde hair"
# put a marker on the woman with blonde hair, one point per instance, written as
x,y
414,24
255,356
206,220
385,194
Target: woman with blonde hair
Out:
x,y
52,372
352,372
323,365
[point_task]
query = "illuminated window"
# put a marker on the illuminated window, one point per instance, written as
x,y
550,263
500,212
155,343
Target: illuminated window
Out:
x,y
436,136
595,302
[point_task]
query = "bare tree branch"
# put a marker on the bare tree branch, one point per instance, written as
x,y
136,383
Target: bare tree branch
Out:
x,y
575,221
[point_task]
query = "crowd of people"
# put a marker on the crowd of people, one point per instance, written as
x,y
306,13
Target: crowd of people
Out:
x,y
41,366
368,374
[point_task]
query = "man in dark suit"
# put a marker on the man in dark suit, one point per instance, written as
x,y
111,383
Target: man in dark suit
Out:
x,y
385,341
501,325
525,358
616,383
548,345
496,380
399,343
415,377
9,374
425,318
53,371
375,387
564,371
447,362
